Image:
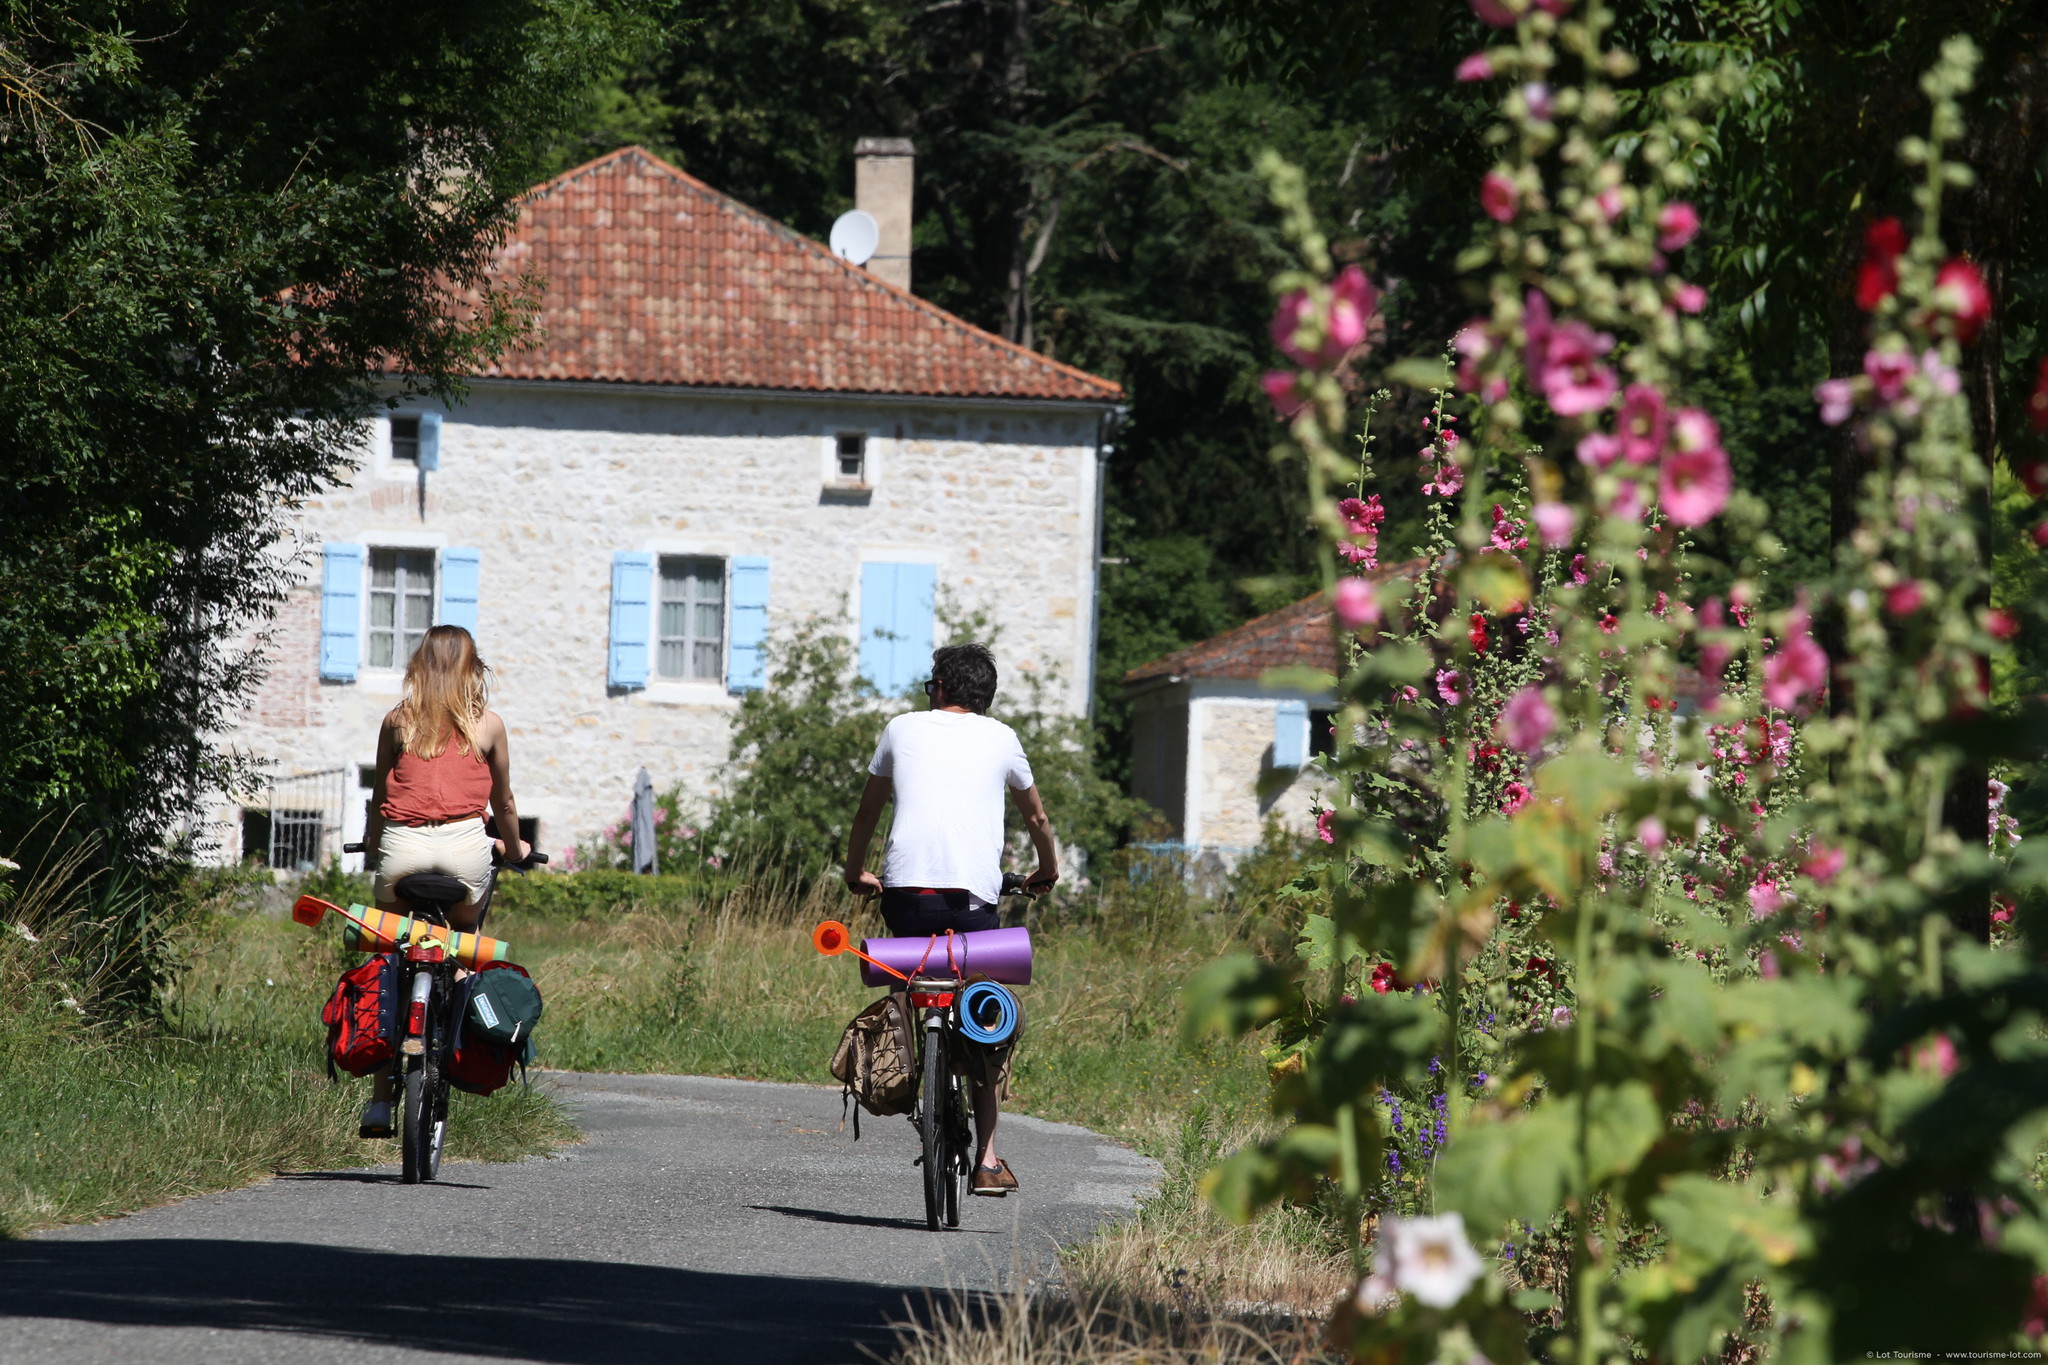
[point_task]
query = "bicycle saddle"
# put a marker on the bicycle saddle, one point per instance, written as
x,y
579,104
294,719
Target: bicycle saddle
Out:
x,y
436,888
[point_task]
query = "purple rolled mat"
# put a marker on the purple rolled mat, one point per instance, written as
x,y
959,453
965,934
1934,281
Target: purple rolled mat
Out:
x,y
999,954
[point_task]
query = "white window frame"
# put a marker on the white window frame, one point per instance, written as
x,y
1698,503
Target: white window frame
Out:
x,y
398,629
874,458
658,640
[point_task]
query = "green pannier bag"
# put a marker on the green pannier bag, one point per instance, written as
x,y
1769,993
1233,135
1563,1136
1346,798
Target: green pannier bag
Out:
x,y
504,1007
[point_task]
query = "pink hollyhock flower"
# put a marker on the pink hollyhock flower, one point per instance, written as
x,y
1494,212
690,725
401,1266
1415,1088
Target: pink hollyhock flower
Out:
x,y
1339,323
1448,684
1495,12
1326,827
1694,481
1641,425
1527,720
1824,864
1571,375
1609,202
1362,516
1579,579
1628,501
1283,387
1995,793
1355,603
1796,667
1650,833
1535,328
1765,899
1499,197
1536,96
1477,67
1450,477
687,832
1507,532
1903,599
714,861
1555,522
1940,373
1473,345
2002,624
1366,556
1937,1054
1690,298
1677,224
660,817
1960,293
1877,279
1837,399
1888,372
1599,449
1513,797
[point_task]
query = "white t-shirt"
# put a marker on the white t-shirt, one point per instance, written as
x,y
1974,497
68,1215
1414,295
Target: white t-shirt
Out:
x,y
949,769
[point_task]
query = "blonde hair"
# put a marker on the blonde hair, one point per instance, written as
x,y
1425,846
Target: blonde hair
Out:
x,y
446,687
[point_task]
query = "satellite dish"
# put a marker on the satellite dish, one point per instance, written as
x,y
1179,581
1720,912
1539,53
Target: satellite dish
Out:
x,y
855,236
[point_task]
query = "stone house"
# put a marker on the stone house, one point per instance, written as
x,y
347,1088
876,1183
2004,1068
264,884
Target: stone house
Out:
x,y
721,429
1217,751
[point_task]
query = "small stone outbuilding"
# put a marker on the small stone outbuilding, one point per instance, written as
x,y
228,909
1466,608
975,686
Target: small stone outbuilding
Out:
x,y
1220,753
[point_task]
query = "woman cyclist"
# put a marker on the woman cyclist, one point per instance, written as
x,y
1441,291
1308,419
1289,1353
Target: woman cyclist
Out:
x,y
441,757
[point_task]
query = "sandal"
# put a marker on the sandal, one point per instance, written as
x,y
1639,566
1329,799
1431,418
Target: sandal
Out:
x,y
995,1181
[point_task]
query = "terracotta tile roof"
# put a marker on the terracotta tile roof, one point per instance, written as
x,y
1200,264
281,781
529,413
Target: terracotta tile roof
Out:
x,y
653,277
1296,636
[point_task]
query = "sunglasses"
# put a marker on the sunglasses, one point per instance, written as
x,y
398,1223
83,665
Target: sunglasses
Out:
x,y
931,687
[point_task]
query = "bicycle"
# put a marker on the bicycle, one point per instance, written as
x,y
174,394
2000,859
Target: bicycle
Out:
x,y
426,984
940,1110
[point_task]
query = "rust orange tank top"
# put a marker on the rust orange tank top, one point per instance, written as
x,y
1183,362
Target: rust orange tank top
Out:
x,y
452,785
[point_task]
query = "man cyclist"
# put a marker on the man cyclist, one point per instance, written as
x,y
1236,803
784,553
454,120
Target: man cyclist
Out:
x,y
947,769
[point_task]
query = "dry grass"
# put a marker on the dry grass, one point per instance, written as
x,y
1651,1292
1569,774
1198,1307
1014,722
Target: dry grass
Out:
x,y
1083,1329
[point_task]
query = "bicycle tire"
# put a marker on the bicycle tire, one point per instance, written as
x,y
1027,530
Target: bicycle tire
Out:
x,y
409,1144
956,1151
932,1128
434,1131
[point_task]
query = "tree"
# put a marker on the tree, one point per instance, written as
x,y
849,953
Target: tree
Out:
x,y
221,229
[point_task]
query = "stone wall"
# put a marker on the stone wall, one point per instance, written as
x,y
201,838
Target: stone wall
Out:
x,y
549,481
1233,744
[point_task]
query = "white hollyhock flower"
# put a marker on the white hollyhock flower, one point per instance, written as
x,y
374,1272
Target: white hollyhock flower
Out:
x,y
1374,1292
9,865
25,932
1430,1257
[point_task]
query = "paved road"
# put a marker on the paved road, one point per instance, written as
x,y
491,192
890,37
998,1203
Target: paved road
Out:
x,y
705,1220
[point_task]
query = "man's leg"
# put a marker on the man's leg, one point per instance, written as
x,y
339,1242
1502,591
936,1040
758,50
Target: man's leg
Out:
x,y
985,1111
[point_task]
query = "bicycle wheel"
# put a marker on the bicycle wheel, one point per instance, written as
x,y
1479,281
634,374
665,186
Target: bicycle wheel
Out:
x,y
956,1150
418,1121
434,1127
931,1126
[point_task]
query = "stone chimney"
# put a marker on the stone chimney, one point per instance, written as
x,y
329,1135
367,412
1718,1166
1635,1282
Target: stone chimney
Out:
x,y
884,172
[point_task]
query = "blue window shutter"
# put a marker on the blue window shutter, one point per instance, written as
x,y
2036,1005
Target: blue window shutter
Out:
x,y
341,611
460,569
1290,734
746,667
632,617
430,440
896,624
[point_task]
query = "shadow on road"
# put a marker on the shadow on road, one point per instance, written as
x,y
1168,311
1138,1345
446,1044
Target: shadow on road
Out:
x,y
571,1312
862,1220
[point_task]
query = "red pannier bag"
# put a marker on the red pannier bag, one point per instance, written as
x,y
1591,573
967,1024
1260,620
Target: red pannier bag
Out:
x,y
478,1064
362,1017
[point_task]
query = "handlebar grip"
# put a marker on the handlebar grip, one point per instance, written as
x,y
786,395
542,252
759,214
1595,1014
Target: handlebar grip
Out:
x,y
352,848
535,856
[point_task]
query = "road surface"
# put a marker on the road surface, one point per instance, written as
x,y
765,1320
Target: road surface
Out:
x,y
701,1220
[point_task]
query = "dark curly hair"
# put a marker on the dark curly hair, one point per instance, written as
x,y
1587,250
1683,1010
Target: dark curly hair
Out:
x,y
968,673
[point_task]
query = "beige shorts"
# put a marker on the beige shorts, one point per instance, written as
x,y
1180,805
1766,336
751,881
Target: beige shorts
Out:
x,y
459,849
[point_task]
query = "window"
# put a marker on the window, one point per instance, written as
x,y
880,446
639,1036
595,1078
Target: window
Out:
x,y
401,604
1322,733
405,440
853,457
692,621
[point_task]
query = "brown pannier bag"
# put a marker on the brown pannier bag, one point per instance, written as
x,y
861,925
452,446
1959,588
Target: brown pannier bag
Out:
x,y
875,1063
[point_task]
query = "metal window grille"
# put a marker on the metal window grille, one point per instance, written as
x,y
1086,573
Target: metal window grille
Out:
x,y
298,820
401,604
692,629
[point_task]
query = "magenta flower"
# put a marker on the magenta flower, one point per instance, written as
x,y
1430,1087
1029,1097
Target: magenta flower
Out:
x,y
1609,202
1797,667
1628,501
1888,372
1555,522
1477,67
1474,345
1903,599
1599,449
1650,833
1837,399
1641,424
1824,864
1326,827
1513,797
1570,373
1694,481
1527,720
1677,224
1690,298
1940,373
1507,532
1333,327
1283,387
1765,899
1499,197
1959,291
1449,683
1355,603
1449,478
1364,516
1536,96
1494,12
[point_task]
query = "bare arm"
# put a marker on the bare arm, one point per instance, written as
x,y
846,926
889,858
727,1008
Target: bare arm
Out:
x,y
498,753
373,826
872,798
1040,828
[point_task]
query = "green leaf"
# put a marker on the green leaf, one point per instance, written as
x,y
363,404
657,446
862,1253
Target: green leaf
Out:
x,y
1509,1170
1417,372
1622,1122
1255,1177
1234,995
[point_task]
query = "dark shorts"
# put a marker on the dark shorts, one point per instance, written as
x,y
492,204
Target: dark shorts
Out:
x,y
920,914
